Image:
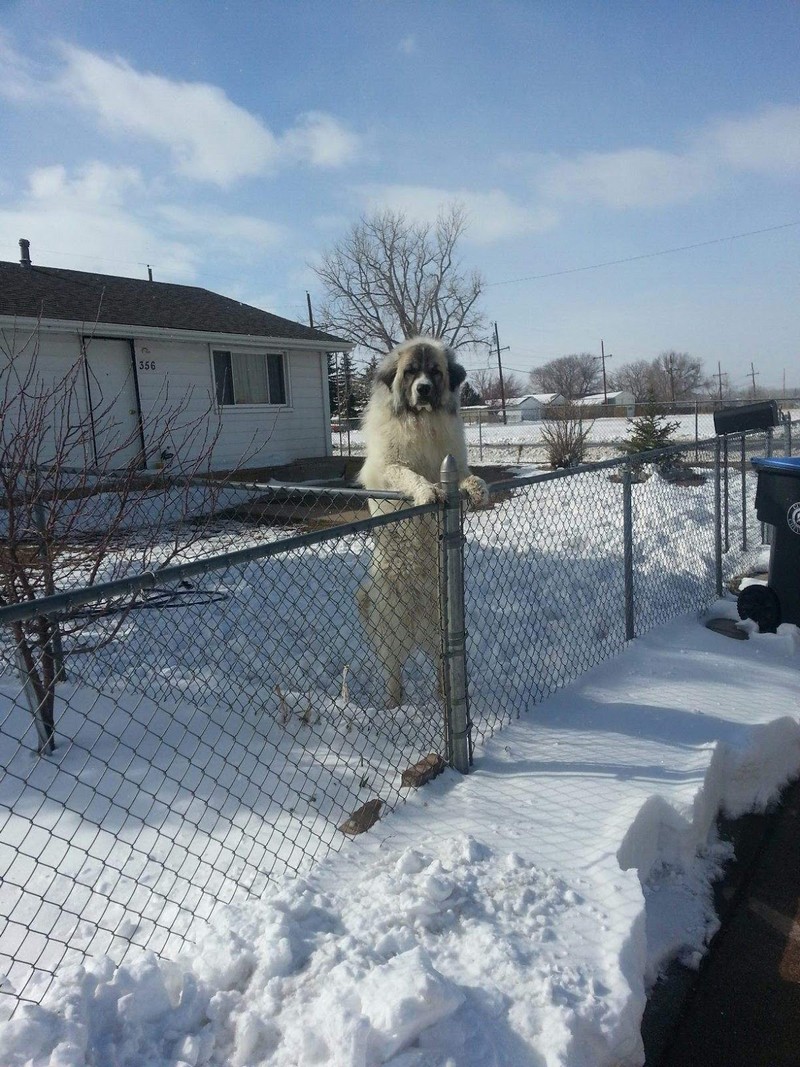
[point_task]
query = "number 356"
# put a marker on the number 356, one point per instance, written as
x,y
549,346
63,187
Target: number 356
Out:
x,y
147,364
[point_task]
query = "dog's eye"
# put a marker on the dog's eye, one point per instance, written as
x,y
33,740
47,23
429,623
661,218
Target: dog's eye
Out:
x,y
436,373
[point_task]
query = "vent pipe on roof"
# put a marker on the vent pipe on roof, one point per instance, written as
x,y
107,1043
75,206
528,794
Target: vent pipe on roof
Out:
x,y
25,252
149,272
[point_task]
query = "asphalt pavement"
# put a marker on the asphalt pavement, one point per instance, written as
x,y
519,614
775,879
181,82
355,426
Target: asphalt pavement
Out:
x,y
742,1009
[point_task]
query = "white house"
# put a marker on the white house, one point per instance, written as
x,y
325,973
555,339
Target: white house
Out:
x,y
530,408
613,399
160,370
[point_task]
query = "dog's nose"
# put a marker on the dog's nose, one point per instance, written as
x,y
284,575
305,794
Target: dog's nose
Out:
x,y
423,389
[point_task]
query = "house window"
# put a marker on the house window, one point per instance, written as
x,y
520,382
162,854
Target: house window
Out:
x,y
249,378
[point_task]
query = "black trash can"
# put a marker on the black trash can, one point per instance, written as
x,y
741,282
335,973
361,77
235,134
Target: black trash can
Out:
x,y
777,503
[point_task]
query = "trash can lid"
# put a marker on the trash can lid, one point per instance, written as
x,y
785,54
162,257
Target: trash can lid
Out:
x,y
778,464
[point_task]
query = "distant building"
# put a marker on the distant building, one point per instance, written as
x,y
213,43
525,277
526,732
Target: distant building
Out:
x,y
532,407
608,405
529,408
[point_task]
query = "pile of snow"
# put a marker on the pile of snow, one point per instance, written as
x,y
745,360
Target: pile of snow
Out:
x,y
514,916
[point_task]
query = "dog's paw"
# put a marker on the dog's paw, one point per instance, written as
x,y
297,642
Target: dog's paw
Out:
x,y
477,491
428,494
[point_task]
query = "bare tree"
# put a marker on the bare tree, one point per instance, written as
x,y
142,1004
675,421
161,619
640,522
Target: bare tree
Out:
x,y
71,518
390,278
635,377
573,376
677,376
486,382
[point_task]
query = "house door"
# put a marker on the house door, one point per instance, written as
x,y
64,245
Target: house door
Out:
x,y
113,403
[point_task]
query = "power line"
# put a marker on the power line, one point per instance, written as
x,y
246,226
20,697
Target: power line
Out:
x,y
645,255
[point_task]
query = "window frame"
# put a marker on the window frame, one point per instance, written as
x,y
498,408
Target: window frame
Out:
x,y
250,405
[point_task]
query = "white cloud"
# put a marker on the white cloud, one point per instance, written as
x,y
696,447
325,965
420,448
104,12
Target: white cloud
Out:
x,y
108,219
18,79
210,138
82,221
97,185
492,216
320,140
207,222
633,177
768,143
408,45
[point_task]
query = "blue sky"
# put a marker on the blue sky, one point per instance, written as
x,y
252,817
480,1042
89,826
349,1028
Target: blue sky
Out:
x,y
228,144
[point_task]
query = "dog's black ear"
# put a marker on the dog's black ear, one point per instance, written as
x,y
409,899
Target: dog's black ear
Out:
x,y
386,371
457,375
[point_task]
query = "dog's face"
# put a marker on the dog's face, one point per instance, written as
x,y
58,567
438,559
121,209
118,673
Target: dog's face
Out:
x,y
422,375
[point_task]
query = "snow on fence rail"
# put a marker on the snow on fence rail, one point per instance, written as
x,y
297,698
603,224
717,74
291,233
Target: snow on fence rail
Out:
x,y
220,720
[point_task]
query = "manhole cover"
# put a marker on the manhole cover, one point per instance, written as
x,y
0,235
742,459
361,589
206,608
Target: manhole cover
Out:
x,y
728,628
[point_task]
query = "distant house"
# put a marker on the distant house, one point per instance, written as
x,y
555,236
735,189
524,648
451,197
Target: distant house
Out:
x,y
529,408
614,403
254,383
532,407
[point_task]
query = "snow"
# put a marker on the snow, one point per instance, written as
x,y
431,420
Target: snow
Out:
x,y
498,443
516,916
513,916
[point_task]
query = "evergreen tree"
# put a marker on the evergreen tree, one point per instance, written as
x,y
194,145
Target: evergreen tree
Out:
x,y
650,430
470,397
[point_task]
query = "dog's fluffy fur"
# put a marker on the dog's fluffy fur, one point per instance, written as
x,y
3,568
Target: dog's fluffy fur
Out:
x,y
411,423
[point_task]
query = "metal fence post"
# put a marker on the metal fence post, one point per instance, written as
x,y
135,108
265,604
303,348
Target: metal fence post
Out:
x,y
726,494
766,529
718,518
627,550
744,492
453,620
696,431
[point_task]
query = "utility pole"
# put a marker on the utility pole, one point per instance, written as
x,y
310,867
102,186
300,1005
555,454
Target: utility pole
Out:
x,y
500,372
671,373
603,358
310,312
754,374
718,376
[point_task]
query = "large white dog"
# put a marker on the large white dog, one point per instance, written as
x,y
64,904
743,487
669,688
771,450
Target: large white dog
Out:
x,y
412,422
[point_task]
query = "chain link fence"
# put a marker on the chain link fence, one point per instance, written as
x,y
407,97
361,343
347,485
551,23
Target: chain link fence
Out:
x,y
173,739
520,440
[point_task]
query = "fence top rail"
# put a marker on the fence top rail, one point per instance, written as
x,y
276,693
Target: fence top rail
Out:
x,y
61,603
291,488
302,489
602,464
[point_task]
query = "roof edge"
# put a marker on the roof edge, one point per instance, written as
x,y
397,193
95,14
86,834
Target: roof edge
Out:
x,y
116,329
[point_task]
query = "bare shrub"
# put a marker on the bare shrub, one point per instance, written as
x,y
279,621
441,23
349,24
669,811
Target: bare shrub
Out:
x,y
565,435
70,517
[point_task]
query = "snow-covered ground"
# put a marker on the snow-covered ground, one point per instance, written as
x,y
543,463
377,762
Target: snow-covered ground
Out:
x,y
496,443
511,917
496,919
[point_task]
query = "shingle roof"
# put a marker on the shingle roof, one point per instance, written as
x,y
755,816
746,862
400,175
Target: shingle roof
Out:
x,y
76,296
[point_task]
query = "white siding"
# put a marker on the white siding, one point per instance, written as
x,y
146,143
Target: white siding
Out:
x,y
178,406
54,359
180,414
